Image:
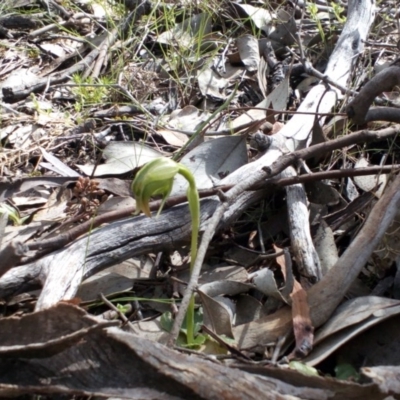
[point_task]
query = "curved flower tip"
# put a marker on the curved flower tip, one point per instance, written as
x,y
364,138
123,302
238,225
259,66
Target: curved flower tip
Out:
x,y
155,178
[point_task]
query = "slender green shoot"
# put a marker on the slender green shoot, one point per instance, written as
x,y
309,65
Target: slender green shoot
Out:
x,y
157,178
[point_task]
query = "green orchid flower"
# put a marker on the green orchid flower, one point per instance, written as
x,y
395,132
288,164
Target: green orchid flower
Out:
x,y
157,178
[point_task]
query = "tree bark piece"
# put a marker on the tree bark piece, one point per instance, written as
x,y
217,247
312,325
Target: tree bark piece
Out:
x,y
75,353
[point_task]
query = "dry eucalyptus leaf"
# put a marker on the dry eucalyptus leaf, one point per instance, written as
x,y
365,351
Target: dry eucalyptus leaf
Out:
x,y
150,330
212,84
351,190
213,275
218,313
351,318
134,268
249,52
228,272
186,32
37,196
378,345
321,193
173,138
248,309
324,242
279,97
212,161
19,79
285,32
115,204
277,100
18,185
251,115
187,119
261,17
370,182
103,282
23,232
227,70
55,207
302,325
121,157
230,288
264,281
261,332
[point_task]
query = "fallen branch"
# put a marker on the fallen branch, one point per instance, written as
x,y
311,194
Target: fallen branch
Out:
x,y
84,352
359,109
349,46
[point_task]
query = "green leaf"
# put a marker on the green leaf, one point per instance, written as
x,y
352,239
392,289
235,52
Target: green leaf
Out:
x,y
123,308
303,368
198,321
166,321
346,371
197,341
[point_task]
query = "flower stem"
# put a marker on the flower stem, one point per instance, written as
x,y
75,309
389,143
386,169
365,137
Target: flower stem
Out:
x,y
194,207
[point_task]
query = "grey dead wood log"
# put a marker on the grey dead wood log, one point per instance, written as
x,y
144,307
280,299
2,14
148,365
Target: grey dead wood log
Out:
x,y
321,99
61,272
115,363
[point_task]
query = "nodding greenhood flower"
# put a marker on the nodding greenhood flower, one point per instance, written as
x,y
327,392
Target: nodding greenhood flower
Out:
x,y
155,178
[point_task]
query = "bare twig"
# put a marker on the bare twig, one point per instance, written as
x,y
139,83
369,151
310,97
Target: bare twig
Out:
x,y
119,312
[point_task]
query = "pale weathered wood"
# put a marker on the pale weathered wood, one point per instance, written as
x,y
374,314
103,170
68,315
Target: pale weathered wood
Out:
x,y
306,256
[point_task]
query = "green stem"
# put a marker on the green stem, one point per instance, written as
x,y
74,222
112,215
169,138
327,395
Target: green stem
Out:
x,y
194,207
156,178
190,322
